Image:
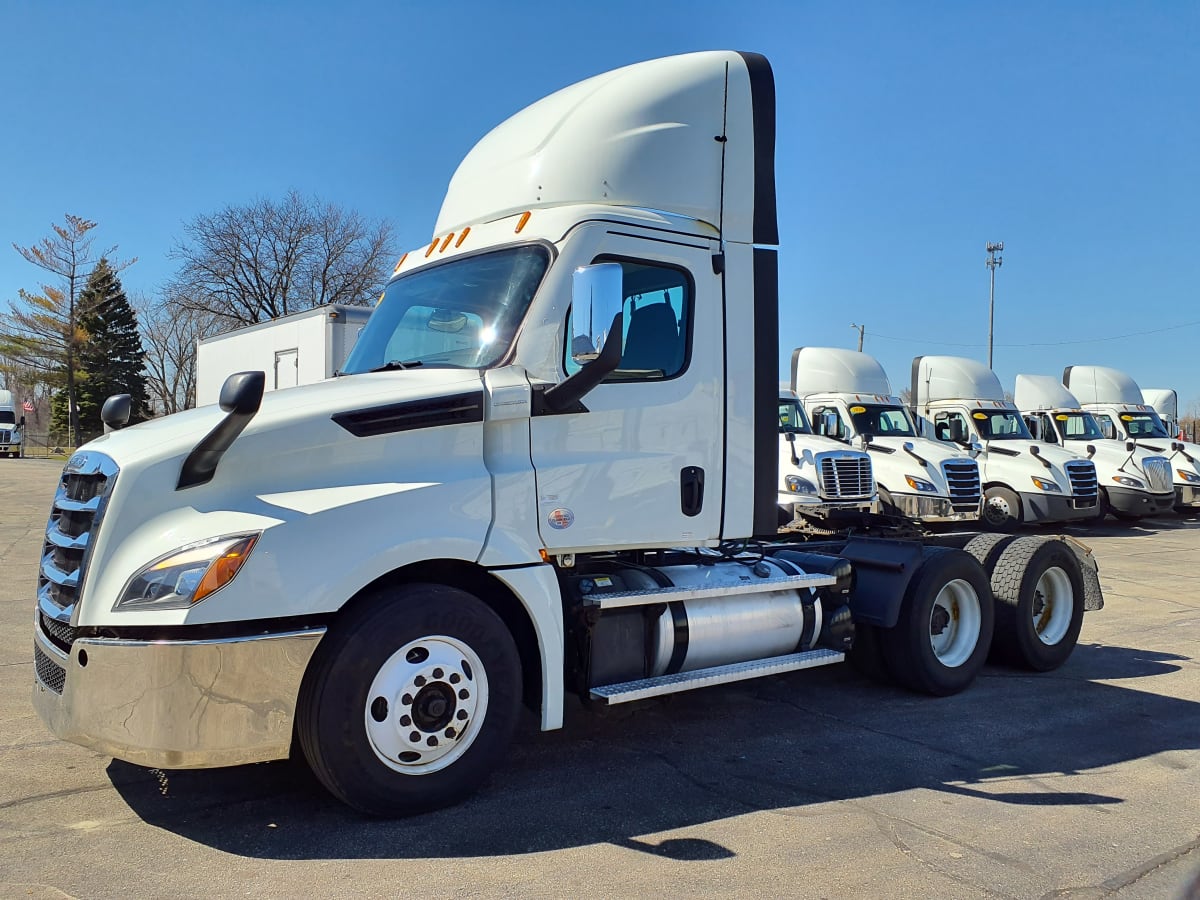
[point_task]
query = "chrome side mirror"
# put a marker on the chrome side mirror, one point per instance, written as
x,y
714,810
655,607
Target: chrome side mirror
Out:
x,y
597,298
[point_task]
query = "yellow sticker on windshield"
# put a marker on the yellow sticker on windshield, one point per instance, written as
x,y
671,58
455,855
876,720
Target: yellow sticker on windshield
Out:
x,y
980,416
1062,418
855,410
1126,418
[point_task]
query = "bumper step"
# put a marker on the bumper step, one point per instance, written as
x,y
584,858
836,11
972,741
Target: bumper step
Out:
x,y
671,594
627,691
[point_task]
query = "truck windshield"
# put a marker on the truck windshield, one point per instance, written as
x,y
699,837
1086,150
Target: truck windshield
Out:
x,y
792,419
462,314
1000,425
1143,424
7,417
1078,426
881,421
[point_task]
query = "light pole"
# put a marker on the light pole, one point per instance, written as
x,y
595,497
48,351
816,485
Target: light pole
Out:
x,y
860,329
993,262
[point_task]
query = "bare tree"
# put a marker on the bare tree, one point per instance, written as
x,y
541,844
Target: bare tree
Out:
x,y
247,264
45,337
169,334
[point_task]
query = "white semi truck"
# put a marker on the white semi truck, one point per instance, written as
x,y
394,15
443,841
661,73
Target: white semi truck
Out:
x,y
849,398
1116,402
960,401
823,484
1053,416
12,424
1166,403
300,348
581,498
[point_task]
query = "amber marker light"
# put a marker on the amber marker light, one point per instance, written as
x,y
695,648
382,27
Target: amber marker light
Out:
x,y
521,222
446,242
223,568
399,264
432,246
462,237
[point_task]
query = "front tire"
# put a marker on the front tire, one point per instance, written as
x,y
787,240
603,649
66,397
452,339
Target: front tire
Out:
x,y
1001,509
410,700
941,639
1039,591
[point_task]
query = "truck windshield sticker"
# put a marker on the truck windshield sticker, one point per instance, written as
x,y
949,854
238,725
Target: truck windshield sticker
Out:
x,y
855,410
1062,418
982,417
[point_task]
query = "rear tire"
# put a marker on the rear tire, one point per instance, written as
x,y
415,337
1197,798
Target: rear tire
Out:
x,y
986,548
410,700
1039,591
1001,509
942,636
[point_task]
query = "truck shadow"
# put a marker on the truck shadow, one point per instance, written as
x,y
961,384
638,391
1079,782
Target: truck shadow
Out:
x,y
621,774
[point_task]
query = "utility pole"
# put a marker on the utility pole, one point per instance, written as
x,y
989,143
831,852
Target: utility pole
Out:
x,y
993,262
861,329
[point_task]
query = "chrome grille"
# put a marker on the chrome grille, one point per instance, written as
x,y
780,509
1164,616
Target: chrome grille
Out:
x,y
1082,473
75,514
845,476
49,672
5,436
1158,473
962,478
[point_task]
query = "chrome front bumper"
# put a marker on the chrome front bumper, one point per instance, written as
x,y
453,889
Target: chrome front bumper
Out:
x,y
931,509
175,704
1187,497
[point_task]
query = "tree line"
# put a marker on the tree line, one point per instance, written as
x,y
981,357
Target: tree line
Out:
x,y
78,338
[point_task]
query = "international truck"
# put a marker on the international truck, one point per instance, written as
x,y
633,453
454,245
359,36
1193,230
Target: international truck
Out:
x,y
849,398
300,348
1165,402
12,424
960,401
581,498
824,485
1116,402
1054,416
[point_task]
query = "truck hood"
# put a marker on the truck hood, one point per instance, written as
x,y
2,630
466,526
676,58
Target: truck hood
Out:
x,y
934,451
176,435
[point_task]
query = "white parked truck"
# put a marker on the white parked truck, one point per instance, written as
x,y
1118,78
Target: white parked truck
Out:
x,y
300,348
823,484
1116,402
960,401
1187,453
12,424
1053,416
849,398
582,497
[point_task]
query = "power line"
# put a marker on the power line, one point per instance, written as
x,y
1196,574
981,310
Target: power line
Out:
x,y
1118,337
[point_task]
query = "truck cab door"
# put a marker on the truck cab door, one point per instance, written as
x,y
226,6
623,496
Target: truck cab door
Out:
x,y
639,462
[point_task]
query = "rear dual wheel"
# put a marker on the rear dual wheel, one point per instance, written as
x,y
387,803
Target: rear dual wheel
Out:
x,y
1039,589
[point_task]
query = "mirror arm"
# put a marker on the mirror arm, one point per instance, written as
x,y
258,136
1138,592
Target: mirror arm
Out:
x,y
559,397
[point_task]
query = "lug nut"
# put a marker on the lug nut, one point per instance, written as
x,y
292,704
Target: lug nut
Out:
x,y
438,673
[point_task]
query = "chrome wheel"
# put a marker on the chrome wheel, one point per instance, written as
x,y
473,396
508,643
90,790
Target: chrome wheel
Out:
x,y
1053,606
954,623
426,705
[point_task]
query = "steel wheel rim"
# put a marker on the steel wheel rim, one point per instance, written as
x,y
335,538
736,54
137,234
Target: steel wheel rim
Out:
x,y
955,620
426,705
996,510
1053,605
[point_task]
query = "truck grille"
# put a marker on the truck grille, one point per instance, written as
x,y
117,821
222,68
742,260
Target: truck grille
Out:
x,y
49,673
1158,473
5,436
962,478
845,476
1084,484
83,492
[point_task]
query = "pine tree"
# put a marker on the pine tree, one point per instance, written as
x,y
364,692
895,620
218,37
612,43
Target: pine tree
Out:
x,y
112,358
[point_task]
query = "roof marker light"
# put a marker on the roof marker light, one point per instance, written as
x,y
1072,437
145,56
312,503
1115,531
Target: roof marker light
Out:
x,y
399,264
462,237
432,246
446,242
521,223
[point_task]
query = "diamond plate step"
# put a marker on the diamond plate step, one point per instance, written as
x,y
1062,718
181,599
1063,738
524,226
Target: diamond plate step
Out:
x,y
668,595
611,694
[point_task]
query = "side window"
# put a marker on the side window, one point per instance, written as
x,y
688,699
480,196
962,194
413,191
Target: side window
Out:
x,y
656,314
1048,432
1106,426
828,421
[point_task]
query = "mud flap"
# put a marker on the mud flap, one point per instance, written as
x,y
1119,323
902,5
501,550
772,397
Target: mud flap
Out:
x,y
1093,598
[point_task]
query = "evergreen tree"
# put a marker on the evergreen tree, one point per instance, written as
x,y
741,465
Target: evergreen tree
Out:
x,y
112,359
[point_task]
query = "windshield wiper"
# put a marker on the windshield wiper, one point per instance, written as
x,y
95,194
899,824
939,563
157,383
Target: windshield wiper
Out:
x,y
393,364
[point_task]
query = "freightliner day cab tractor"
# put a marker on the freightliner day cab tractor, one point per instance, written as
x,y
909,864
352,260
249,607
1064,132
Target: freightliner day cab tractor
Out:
x,y
12,424
1116,402
960,401
848,396
1053,416
824,485
568,486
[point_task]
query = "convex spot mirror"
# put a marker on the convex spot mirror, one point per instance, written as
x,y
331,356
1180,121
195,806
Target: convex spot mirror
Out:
x,y
596,300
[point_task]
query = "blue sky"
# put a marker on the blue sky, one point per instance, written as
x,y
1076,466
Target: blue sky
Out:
x,y
909,135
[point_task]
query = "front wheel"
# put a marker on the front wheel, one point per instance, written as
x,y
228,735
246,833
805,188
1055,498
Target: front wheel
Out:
x,y
1001,509
410,701
941,639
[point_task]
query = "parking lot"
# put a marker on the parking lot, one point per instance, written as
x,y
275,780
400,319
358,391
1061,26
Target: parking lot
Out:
x,y
1083,782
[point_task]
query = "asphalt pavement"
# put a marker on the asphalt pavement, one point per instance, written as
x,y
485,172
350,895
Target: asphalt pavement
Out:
x,y
1080,783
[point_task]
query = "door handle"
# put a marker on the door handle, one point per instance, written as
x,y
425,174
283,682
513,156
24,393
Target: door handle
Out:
x,y
691,490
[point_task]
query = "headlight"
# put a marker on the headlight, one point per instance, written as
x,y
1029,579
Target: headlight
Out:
x,y
1127,481
798,485
185,577
1190,477
1044,485
920,485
